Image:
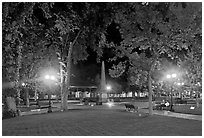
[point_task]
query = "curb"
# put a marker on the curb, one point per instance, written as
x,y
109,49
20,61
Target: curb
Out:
x,y
179,115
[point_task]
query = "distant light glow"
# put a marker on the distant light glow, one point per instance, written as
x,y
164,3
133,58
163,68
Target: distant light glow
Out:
x,y
180,83
23,84
47,77
198,84
108,87
110,104
52,77
171,76
174,75
168,76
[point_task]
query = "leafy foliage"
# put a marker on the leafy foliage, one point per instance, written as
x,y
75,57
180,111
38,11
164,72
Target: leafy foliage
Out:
x,y
158,30
39,35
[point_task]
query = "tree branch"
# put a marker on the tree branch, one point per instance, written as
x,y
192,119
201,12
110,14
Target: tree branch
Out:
x,y
76,37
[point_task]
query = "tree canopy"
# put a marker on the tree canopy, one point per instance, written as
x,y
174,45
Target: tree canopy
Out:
x,y
40,35
160,31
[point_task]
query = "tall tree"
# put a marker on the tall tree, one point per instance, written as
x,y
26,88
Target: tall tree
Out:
x,y
158,30
192,66
21,26
15,17
74,27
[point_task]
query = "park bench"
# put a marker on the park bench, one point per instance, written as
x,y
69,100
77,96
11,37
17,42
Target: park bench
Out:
x,y
131,107
43,104
161,107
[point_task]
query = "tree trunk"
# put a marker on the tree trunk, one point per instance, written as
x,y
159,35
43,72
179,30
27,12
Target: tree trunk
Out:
x,y
197,102
36,94
150,93
150,86
61,85
196,92
68,74
191,92
67,79
19,59
138,94
133,94
50,106
27,97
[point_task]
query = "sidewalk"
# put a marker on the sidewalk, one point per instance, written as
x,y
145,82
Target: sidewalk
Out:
x,y
105,120
117,106
173,114
144,108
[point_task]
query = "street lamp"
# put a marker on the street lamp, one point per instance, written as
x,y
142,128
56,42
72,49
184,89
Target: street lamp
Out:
x,y
47,77
50,79
23,84
171,77
26,93
180,84
108,87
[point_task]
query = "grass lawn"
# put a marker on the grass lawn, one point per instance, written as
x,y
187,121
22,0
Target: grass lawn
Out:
x,y
98,121
186,109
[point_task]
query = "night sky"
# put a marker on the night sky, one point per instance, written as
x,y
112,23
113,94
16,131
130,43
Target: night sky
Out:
x,y
113,35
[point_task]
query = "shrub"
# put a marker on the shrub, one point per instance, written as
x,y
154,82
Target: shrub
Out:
x,y
9,114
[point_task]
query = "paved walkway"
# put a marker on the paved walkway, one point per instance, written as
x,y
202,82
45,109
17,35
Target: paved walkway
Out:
x,y
173,114
102,120
170,114
118,106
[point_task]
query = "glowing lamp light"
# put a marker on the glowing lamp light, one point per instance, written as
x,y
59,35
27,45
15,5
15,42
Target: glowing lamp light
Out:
x,y
180,83
47,77
110,104
52,77
23,84
168,76
171,76
108,87
174,75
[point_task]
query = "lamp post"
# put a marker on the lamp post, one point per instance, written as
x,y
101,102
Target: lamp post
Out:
x,y
50,79
108,88
180,84
26,93
197,93
171,77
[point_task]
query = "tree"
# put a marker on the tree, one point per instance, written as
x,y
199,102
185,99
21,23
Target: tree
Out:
x,y
159,30
192,66
74,26
15,18
67,27
23,46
